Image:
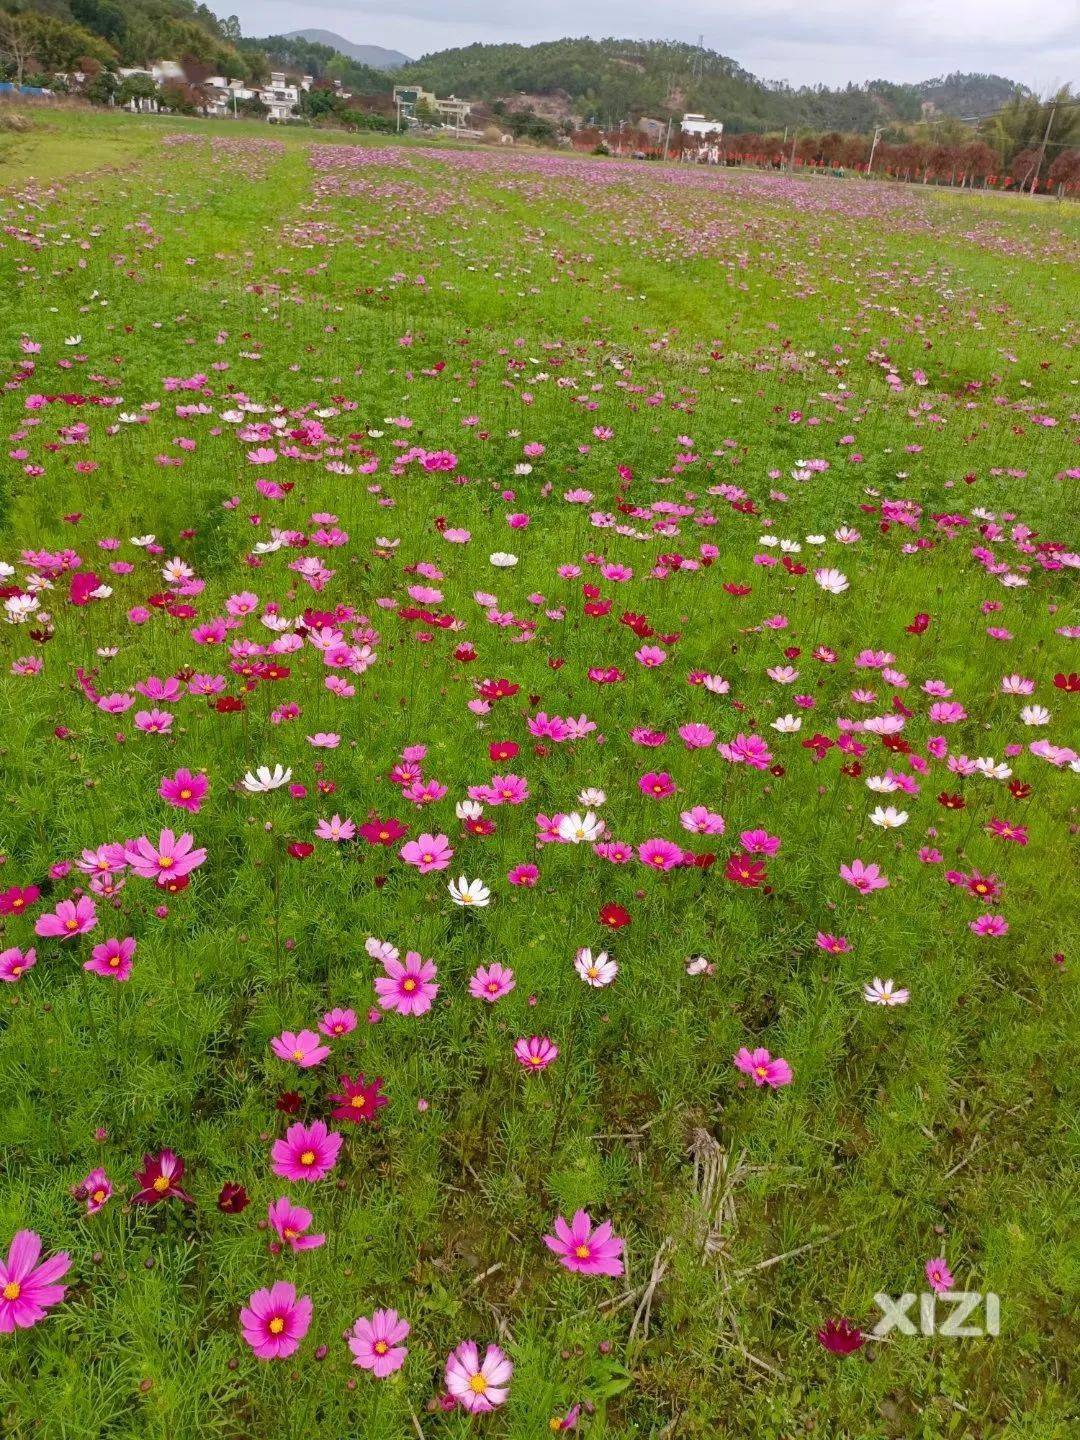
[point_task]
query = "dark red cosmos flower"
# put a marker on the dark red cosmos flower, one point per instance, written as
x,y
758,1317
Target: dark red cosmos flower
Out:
x,y
819,744
359,1100
159,1179
173,884
738,591
480,827
597,609
841,1337
919,625
382,832
615,917
465,653
502,750
1069,683
17,898
233,1199
299,849
273,672
745,870
288,1102
951,802
228,705
1018,790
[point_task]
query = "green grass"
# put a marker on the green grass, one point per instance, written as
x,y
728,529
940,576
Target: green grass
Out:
x,y
714,308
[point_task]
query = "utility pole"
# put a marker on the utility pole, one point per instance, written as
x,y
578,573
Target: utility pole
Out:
x,y
873,147
794,137
1042,150
667,138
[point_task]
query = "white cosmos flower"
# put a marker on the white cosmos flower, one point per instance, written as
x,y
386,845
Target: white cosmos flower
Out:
x,y
1016,685
143,540
992,769
469,892
1035,715
6,570
468,809
266,779
20,607
575,828
881,785
697,965
815,539
523,469
592,799
102,592
790,547
382,543
503,560
788,724
834,582
716,684
266,547
595,970
846,535
884,992
73,340
769,540
888,817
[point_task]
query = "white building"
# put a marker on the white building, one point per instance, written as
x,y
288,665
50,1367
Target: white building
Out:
x,y
702,139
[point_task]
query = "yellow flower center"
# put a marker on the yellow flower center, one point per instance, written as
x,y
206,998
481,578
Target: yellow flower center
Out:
x,y
358,1101
760,1070
98,1196
12,1291
409,986
298,1054
17,970
71,924
161,1184
164,862
380,1347
185,794
277,1325
582,1252
114,962
308,1157
477,1384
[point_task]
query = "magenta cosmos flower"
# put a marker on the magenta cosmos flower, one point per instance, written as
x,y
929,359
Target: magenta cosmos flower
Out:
x,y
274,1321
290,1221
27,1289
478,1385
427,852
338,1022
303,1050
308,1152
184,790
172,856
764,1070
939,1275
97,1188
376,1343
587,1250
408,988
70,918
536,1053
14,963
112,958
491,983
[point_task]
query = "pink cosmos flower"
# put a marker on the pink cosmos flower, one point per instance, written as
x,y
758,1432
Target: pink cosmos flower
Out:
x,y
308,1152
491,983
338,1022
97,1187
659,854
335,829
408,988
939,1275
658,784
864,878
290,1221
28,1289
759,842
376,1342
112,958
764,1070
14,964
584,1249
990,925
524,876
274,1321
478,1385
171,857
536,1053
700,820
184,790
427,852
834,944
303,1049
71,917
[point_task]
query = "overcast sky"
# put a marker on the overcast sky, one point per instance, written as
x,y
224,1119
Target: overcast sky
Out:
x,y
827,41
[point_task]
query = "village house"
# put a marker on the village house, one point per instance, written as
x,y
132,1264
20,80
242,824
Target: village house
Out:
x,y
450,111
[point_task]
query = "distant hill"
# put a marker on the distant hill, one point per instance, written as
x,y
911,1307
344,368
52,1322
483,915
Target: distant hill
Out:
x,y
374,55
604,81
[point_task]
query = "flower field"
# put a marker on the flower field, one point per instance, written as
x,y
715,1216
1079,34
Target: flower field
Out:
x,y
540,742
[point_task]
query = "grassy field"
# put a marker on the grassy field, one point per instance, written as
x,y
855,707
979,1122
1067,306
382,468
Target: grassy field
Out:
x,y
683,555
